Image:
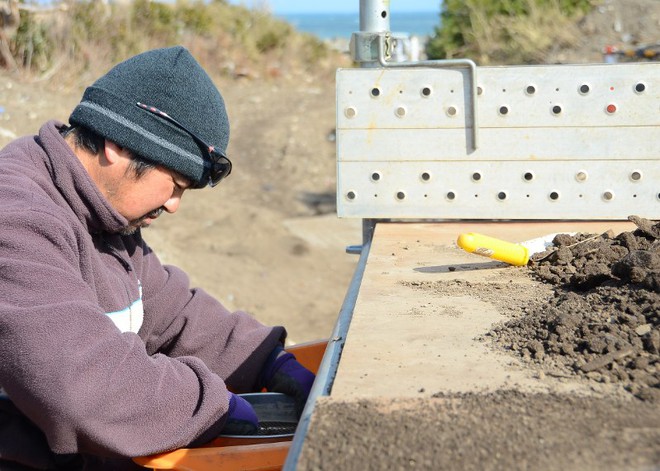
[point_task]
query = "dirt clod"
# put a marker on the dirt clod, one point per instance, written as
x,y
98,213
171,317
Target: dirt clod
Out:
x,y
603,322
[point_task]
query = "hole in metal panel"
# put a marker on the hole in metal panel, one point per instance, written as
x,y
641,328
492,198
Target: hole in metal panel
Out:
x,y
400,195
350,112
556,109
581,176
375,176
351,195
451,111
426,176
528,176
530,90
608,195
426,91
636,176
504,110
584,89
476,176
451,196
480,91
554,195
400,111
375,92
640,87
501,195
383,14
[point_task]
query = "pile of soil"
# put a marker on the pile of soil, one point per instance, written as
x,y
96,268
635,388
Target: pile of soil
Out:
x,y
603,320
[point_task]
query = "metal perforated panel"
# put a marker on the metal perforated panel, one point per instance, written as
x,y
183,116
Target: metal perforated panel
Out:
x,y
551,142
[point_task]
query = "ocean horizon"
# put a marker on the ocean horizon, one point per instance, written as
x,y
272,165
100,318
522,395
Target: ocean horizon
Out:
x,y
328,26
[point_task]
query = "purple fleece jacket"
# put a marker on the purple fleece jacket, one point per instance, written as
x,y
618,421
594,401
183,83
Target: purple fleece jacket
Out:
x,y
71,291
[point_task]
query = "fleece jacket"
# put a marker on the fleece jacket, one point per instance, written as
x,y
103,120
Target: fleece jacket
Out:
x,y
105,353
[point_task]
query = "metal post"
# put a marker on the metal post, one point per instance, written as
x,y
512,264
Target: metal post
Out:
x,y
374,23
372,47
374,16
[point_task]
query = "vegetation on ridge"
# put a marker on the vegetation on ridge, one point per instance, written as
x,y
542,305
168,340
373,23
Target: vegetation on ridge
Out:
x,y
505,31
87,36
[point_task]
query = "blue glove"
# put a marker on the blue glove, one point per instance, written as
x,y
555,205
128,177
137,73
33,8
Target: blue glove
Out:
x,y
241,418
282,373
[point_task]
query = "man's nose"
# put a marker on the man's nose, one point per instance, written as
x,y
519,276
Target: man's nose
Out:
x,y
172,204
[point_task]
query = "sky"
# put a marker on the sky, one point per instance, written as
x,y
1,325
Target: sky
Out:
x,y
336,6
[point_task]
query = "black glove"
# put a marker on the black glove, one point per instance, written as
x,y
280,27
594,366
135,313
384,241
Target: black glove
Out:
x,y
282,373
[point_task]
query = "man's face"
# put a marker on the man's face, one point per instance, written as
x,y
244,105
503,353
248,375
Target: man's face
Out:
x,y
141,199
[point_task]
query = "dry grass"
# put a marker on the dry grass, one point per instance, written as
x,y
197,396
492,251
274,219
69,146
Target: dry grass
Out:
x,y
506,31
521,39
78,41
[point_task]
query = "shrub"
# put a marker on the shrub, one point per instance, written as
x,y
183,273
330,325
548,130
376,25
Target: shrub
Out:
x,y
504,31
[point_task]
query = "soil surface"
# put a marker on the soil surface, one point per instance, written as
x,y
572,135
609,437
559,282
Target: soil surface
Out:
x,y
500,430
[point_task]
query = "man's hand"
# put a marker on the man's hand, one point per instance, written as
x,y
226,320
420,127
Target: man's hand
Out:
x,y
282,373
241,418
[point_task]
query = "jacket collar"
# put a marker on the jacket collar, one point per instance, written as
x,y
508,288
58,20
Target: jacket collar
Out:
x,y
75,184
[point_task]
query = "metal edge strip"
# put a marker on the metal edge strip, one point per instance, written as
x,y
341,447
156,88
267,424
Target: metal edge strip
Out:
x,y
330,362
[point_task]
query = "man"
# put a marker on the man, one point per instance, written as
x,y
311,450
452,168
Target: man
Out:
x,y
105,354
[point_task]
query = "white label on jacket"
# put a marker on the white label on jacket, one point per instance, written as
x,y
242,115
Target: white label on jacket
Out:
x,y
129,319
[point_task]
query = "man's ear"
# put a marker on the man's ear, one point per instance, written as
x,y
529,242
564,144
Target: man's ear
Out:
x,y
114,153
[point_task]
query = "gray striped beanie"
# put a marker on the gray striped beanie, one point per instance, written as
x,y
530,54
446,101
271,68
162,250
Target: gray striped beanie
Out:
x,y
171,80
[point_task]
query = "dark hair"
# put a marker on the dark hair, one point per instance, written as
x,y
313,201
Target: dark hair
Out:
x,y
92,142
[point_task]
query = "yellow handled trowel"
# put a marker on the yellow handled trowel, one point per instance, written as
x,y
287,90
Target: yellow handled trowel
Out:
x,y
508,252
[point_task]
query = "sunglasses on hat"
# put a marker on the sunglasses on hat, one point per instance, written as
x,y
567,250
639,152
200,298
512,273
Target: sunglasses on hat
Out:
x,y
216,165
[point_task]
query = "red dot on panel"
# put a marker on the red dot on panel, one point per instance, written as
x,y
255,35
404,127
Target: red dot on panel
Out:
x,y
611,108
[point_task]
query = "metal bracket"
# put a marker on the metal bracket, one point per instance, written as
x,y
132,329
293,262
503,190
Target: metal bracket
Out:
x,y
366,47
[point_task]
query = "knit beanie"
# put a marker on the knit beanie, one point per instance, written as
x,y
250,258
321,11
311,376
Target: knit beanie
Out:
x,y
171,80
